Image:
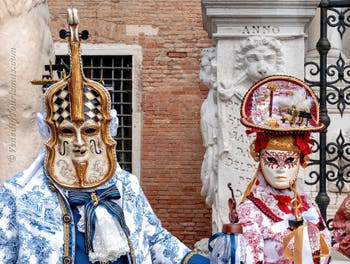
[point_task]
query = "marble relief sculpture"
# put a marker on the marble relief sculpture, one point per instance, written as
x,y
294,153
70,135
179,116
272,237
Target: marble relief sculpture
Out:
x,y
209,127
256,57
224,138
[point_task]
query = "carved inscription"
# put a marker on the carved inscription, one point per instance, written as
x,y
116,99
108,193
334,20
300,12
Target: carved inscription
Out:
x,y
260,29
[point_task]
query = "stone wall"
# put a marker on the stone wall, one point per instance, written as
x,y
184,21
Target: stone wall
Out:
x,y
171,36
26,47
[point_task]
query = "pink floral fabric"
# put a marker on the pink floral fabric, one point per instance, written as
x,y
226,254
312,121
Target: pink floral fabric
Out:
x,y
264,242
341,224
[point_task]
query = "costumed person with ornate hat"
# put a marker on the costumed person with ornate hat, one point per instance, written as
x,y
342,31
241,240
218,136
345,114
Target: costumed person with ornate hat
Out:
x,y
75,204
280,223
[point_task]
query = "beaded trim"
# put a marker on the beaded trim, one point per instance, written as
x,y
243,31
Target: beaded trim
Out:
x,y
263,208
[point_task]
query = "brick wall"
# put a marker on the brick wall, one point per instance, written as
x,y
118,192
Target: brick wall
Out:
x,y
172,36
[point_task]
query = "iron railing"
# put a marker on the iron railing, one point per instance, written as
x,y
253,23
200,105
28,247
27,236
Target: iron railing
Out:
x,y
334,89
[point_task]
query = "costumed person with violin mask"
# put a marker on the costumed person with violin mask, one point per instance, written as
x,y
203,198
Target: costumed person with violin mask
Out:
x,y
280,223
75,204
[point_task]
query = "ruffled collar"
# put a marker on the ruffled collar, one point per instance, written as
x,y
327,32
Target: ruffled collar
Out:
x,y
272,202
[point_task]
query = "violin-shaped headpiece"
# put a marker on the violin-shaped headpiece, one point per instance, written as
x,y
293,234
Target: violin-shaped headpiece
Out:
x,y
80,151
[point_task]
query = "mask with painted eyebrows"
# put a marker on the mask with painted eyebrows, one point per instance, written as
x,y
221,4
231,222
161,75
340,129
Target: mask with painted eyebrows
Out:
x,y
279,167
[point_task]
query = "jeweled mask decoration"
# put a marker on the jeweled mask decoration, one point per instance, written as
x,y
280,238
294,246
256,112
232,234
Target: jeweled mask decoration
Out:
x,y
80,151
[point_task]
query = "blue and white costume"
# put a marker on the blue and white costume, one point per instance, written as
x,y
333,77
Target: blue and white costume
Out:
x,y
36,222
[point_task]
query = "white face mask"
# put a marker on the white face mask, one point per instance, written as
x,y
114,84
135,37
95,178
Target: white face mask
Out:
x,y
80,146
76,141
279,167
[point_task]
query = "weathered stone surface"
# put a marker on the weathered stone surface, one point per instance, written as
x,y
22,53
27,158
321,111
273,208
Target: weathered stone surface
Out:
x,y
25,49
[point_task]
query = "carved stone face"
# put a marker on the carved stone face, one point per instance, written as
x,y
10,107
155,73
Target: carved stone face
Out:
x,y
279,167
260,62
207,69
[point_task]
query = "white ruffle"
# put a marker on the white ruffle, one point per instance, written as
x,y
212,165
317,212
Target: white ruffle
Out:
x,y
310,215
81,222
110,241
113,127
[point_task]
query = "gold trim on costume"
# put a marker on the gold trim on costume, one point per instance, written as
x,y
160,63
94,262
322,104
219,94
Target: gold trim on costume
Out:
x,y
250,186
132,252
188,257
66,229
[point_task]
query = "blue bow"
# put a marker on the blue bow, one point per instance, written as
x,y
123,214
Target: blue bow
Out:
x,y
93,199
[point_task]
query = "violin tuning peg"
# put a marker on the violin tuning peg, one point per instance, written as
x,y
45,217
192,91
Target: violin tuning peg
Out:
x,y
64,34
84,34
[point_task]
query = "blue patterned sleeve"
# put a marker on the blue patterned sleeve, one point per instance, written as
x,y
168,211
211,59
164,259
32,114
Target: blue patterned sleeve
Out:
x,y
165,248
8,227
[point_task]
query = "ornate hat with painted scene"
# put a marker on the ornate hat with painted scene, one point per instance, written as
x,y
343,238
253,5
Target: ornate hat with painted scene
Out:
x,y
282,111
281,104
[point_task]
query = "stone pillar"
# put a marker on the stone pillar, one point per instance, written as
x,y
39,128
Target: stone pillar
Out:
x,y
26,46
253,39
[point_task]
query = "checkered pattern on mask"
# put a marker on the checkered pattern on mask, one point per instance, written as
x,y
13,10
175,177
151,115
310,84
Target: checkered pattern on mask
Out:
x,y
61,105
61,109
92,105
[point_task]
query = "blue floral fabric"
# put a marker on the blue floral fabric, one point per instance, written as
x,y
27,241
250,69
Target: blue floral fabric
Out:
x,y
32,231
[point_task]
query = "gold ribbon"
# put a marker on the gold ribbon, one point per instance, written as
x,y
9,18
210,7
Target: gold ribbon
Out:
x,y
251,185
297,253
188,257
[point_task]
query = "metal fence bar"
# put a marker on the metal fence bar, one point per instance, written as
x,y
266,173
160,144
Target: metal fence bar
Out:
x,y
332,92
323,46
